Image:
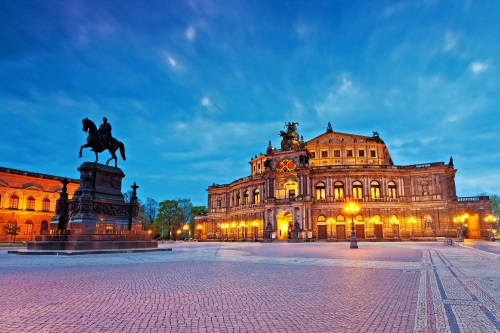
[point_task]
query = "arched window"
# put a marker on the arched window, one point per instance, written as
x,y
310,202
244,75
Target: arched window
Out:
x,y
357,190
340,218
391,190
256,196
46,204
232,201
238,200
377,217
30,205
375,189
14,201
245,198
359,218
44,226
320,191
321,218
28,227
338,188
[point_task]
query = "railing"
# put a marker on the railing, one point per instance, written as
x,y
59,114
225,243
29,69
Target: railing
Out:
x,y
470,199
34,174
367,166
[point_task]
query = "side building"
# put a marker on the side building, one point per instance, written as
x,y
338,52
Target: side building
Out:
x,y
305,187
28,199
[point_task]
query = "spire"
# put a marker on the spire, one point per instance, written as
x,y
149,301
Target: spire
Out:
x,y
269,147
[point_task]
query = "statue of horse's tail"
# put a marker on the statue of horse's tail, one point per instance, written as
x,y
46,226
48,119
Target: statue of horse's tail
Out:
x,y
122,150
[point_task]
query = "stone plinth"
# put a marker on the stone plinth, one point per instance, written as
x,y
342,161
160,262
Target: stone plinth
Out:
x,y
97,217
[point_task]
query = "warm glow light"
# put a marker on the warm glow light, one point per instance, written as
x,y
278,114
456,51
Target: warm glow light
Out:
x,y
412,220
178,231
233,225
185,227
351,208
284,227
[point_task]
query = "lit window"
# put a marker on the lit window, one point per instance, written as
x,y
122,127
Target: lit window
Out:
x,y
361,153
375,189
109,227
324,154
46,204
357,190
373,153
14,201
245,198
349,153
28,227
336,153
256,197
391,191
30,205
320,191
340,218
338,188
321,218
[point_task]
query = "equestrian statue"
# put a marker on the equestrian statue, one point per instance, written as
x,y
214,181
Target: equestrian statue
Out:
x,y
100,140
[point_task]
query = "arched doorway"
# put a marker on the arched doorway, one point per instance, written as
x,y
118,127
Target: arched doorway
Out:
x,y
472,228
284,225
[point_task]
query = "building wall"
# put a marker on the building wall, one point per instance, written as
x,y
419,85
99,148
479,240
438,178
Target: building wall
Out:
x,y
26,184
424,192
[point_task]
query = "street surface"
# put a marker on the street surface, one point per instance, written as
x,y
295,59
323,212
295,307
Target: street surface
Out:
x,y
254,287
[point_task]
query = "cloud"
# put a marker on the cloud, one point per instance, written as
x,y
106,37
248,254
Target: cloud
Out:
x,y
303,29
208,104
478,67
450,41
190,32
342,97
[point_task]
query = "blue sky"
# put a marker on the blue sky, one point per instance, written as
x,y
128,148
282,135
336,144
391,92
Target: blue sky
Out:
x,y
196,88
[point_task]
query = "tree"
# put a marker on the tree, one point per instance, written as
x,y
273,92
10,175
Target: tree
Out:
x,y
168,217
186,212
199,210
495,206
11,229
150,209
127,195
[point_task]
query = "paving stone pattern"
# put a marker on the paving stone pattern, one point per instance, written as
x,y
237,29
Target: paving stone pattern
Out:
x,y
253,287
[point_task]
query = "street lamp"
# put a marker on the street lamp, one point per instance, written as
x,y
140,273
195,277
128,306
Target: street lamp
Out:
x,y
412,221
460,220
330,222
491,219
199,227
179,234
222,232
352,209
394,221
185,228
233,225
243,225
373,221
254,230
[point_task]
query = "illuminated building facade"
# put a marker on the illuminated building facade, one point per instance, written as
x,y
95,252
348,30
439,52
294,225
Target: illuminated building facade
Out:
x,y
305,186
28,200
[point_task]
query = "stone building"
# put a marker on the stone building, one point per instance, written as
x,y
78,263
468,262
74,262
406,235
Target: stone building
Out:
x,y
28,199
304,187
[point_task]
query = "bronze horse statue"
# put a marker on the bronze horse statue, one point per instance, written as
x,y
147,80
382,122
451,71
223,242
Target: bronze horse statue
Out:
x,y
98,145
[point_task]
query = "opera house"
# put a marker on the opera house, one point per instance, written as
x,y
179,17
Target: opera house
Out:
x,y
303,187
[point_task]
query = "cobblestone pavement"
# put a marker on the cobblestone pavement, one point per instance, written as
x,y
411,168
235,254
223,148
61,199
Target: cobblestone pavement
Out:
x,y
253,287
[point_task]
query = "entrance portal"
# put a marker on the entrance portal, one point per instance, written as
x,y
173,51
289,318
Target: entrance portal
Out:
x,y
284,224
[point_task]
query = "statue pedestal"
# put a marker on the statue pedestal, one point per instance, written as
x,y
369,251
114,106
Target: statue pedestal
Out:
x,y
97,217
429,234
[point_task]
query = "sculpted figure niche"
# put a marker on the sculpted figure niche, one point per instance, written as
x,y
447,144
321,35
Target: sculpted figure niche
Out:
x,y
101,139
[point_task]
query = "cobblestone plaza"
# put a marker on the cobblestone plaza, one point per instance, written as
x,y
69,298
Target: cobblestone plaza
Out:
x,y
254,287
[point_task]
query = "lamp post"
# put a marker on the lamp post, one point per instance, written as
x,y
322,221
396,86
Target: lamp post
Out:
x,y
412,221
222,232
351,209
233,225
242,226
185,228
179,234
330,222
199,227
394,221
460,221
491,219
254,230
373,221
